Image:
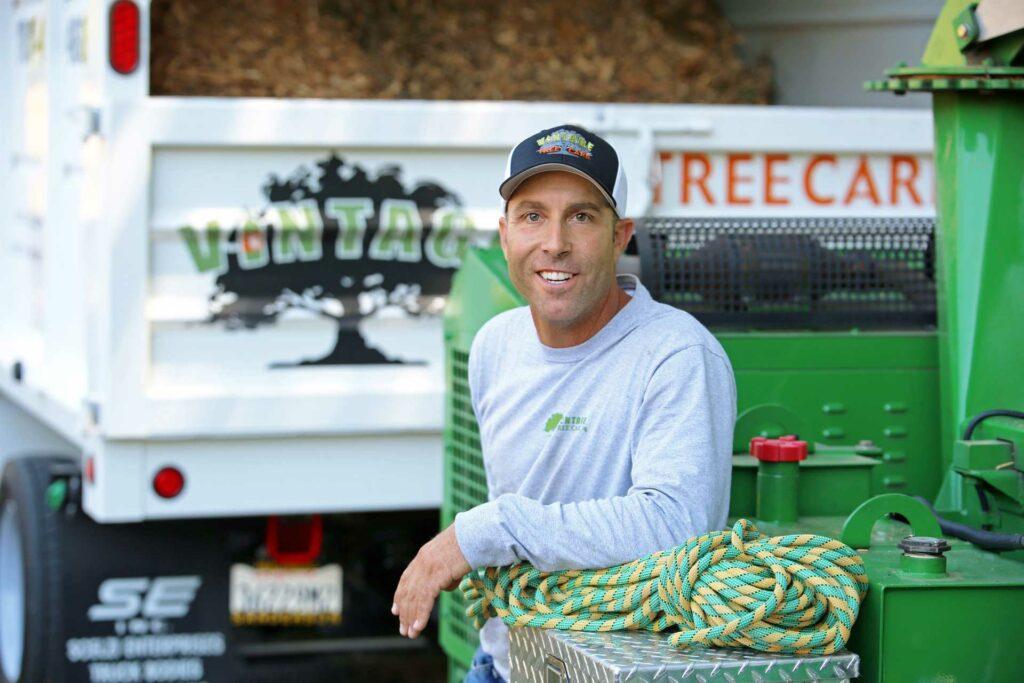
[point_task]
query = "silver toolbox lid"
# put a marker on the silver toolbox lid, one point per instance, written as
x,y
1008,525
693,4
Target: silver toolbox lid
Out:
x,y
552,656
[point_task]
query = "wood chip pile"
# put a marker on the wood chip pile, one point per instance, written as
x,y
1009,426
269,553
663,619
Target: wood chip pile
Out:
x,y
575,50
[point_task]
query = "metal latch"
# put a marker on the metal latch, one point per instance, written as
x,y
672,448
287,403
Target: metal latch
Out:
x,y
554,670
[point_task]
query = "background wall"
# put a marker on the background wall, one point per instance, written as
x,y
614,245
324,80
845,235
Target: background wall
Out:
x,y
823,50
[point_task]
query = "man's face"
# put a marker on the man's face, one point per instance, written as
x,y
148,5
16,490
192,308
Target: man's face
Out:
x,y
561,240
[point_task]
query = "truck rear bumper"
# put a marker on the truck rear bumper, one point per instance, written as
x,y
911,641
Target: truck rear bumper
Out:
x,y
265,476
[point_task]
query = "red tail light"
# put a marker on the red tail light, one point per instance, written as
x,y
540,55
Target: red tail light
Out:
x,y
124,36
168,482
295,541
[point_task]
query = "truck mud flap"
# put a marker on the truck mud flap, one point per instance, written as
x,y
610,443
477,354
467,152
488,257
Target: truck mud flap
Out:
x,y
144,602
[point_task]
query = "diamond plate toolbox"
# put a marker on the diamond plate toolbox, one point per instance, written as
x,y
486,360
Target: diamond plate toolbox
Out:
x,y
551,656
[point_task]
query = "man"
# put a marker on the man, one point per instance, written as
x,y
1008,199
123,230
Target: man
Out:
x,y
606,418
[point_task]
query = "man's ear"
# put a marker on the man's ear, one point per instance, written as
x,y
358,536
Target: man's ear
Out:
x,y
623,231
503,235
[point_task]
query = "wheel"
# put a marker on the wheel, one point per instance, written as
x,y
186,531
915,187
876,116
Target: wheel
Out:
x,y
29,573
12,592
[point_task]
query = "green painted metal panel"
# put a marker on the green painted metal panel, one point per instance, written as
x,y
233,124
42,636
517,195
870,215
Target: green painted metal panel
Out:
x,y
957,627
955,30
961,627
456,634
829,484
980,165
943,49
851,350
978,106
480,290
841,389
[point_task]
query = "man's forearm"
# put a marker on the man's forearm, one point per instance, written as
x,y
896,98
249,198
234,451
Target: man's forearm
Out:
x,y
583,535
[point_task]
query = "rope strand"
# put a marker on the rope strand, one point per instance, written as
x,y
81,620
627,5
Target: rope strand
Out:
x,y
798,593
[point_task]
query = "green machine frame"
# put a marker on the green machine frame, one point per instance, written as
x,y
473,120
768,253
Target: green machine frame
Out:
x,y
888,415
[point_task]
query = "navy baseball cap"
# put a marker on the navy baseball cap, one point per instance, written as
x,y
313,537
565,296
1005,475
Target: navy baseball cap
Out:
x,y
568,148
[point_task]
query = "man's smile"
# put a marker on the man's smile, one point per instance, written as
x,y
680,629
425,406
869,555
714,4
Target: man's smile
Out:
x,y
556,278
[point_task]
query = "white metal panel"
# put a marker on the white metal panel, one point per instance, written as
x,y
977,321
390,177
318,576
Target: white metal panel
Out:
x,y
231,477
6,142
119,490
67,229
69,424
26,104
44,229
23,434
319,475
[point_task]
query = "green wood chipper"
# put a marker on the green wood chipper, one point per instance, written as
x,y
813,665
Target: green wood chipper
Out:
x,y
893,347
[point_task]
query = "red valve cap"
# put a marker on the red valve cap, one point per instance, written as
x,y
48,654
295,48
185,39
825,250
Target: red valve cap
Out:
x,y
784,449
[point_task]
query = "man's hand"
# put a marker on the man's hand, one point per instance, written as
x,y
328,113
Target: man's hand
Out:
x,y
439,565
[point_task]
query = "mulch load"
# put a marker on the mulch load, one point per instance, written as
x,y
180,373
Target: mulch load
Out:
x,y
576,50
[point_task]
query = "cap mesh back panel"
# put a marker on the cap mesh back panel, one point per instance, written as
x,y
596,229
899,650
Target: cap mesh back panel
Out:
x,y
465,486
819,273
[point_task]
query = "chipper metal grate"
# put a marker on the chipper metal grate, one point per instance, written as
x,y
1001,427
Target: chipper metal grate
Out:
x,y
821,273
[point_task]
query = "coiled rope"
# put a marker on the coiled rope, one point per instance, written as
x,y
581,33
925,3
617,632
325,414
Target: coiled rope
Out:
x,y
798,593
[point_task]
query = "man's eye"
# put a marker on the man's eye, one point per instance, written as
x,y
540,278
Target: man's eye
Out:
x,y
582,217
532,216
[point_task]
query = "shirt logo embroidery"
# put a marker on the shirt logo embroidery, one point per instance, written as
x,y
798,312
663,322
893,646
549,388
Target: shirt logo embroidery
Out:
x,y
566,423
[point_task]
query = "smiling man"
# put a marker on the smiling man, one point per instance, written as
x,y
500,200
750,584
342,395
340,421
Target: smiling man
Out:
x,y
606,418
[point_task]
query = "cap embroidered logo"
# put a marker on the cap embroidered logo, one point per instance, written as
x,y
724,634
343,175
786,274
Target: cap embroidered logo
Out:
x,y
564,141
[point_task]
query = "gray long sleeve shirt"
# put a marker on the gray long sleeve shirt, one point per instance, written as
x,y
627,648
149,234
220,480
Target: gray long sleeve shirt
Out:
x,y
600,453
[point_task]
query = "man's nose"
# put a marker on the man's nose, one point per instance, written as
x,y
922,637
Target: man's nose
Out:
x,y
556,240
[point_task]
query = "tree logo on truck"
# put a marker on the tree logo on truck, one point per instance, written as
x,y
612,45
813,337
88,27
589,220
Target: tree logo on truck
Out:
x,y
342,244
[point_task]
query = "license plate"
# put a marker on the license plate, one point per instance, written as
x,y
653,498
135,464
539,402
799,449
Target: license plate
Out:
x,y
285,596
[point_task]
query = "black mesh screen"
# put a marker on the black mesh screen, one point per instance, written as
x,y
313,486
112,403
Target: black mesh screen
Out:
x,y
818,273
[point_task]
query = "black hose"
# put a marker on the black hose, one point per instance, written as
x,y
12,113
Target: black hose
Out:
x,y
986,540
976,420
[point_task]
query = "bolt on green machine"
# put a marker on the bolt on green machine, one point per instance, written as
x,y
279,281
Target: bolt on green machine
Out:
x,y
888,405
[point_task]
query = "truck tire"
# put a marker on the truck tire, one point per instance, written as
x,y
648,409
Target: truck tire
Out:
x,y
30,625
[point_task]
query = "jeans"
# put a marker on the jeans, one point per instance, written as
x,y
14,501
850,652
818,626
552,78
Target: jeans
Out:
x,y
482,669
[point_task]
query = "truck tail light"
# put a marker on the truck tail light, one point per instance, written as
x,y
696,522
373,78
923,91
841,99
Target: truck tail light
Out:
x,y
295,541
168,482
124,36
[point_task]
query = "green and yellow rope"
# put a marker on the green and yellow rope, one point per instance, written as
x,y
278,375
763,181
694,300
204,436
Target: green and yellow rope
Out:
x,y
798,593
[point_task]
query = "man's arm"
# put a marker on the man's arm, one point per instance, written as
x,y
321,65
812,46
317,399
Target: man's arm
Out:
x,y
681,472
439,565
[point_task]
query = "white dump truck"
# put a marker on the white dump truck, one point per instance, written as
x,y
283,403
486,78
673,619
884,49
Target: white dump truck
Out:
x,y
221,368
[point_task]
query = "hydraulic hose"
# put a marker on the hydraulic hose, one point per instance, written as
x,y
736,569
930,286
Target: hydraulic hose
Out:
x,y
797,594
977,419
986,540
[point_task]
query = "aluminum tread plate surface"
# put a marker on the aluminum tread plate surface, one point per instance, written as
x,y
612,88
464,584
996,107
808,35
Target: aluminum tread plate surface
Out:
x,y
637,657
